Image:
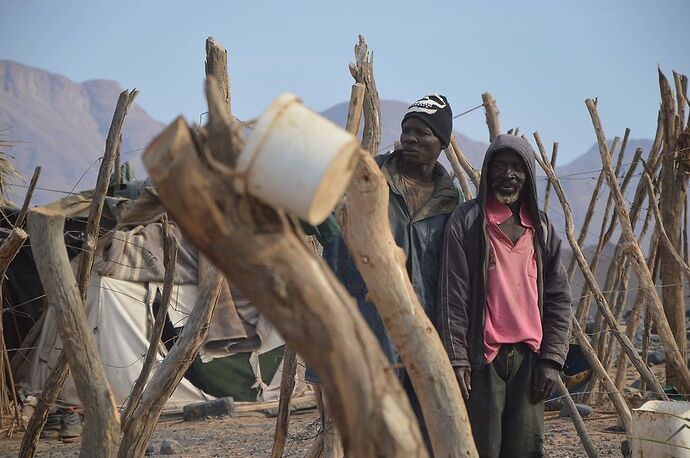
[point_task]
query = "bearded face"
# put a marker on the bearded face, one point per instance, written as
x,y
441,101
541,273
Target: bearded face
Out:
x,y
507,176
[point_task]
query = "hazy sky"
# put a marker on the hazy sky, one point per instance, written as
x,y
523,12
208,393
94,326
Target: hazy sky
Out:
x,y
540,59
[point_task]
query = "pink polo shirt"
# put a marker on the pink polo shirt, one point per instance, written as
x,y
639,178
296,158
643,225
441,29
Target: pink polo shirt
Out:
x,y
512,301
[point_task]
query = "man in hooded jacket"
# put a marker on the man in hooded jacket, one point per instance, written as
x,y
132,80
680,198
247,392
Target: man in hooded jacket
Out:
x,y
503,307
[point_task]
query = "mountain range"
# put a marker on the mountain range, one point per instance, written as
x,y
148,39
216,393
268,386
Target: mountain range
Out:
x,y
61,125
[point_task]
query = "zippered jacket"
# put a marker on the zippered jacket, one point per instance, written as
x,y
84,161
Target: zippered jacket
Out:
x,y
461,302
419,235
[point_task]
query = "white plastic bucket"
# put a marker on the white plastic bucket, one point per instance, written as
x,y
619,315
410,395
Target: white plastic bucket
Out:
x,y
297,160
661,429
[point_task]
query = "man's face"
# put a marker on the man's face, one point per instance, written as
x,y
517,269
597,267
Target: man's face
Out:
x,y
507,176
419,144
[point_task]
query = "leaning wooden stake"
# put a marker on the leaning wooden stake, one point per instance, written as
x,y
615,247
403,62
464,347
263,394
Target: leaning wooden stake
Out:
x,y
591,356
547,193
19,222
101,420
471,172
491,112
56,380
676,359
577,419
625,343
287,386
170,246
138,431
457,170
257,245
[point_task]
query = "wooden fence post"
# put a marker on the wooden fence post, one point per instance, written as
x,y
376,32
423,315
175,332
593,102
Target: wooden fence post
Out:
x,y
56,380
675,357
257,245
101,420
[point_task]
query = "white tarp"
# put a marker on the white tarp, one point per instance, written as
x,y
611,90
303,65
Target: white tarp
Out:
x,y
121,322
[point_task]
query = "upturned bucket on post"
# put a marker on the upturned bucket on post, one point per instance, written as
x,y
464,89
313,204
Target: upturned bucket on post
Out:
x,y
297,160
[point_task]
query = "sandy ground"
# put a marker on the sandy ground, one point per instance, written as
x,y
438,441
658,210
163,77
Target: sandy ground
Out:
x,y
253,437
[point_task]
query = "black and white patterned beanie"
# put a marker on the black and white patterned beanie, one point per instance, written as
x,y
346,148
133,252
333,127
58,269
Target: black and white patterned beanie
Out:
x,y
434,111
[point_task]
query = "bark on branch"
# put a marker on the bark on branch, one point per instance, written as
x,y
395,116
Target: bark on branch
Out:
x,y
101,420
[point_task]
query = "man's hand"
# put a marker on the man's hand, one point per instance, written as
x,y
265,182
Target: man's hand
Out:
x,y
543,380
463,375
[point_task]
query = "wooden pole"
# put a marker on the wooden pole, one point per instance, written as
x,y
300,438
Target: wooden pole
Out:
x,y
170,246
471,172
491,112
354,112
547,193
591,356
257,245
625,343
142,423
382,264
636,313
577,419
676,358
101,422
673,192
287,386
217,66
56,380
19,222
457,170
362,70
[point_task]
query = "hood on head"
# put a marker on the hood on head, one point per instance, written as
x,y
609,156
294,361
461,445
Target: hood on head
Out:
x,y
522,148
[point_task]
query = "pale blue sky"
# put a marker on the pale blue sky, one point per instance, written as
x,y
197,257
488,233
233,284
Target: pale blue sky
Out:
x,y
540,59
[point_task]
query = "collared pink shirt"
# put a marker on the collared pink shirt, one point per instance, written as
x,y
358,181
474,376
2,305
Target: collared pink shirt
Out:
x,y
512,301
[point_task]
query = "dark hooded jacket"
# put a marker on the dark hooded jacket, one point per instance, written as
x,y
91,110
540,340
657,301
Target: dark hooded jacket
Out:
x,y
461,303
419,235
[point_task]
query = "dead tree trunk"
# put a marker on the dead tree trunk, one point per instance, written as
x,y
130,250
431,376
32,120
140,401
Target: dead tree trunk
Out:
x,y
675,357
382,266
101,421
53,386
491,112
169,263
673,192
257,245
625,343
143,421
363,72
287,385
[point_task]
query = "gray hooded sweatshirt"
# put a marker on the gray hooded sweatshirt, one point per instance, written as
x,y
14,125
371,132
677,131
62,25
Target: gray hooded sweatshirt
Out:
x,y
461,300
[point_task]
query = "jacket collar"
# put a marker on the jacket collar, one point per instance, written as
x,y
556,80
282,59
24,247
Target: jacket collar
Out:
x,y
444,199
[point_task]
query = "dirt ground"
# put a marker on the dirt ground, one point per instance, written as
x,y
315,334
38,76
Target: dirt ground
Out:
x,y
253,437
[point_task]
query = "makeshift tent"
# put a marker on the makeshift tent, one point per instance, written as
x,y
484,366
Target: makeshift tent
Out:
x,y
242,353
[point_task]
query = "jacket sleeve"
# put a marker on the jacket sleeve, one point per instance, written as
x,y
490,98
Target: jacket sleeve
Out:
x,y
557,300
453,293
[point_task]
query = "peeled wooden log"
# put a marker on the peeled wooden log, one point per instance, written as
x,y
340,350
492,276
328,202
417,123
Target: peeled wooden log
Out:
x,y
138,430
676,359
625,343
457,170
547,193
382,265
258,246
101,419
470,170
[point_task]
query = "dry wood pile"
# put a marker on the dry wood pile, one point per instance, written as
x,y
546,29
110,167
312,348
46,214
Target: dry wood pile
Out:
x,y
253,243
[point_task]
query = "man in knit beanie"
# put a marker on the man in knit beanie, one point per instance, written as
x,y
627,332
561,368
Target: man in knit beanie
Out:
x,y
421,198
